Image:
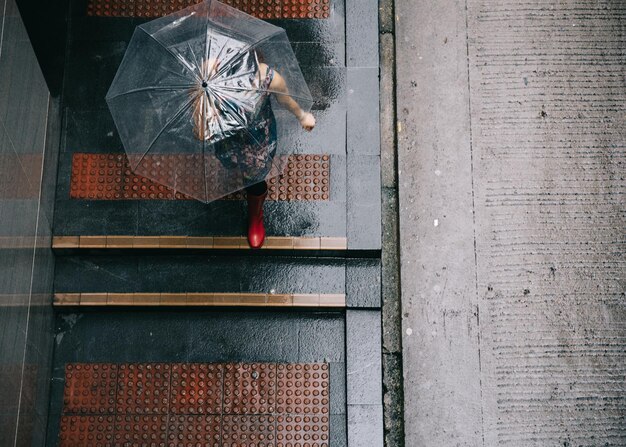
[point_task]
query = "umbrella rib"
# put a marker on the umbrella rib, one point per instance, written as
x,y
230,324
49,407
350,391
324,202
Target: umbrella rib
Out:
x,y
194,59
229,98
173,72
228,78
217,58
247,48
237,117
216,111
227,87
207,39
161,87
171,53
166,125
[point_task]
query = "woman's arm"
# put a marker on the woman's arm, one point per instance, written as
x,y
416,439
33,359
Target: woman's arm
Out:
x,y
279,87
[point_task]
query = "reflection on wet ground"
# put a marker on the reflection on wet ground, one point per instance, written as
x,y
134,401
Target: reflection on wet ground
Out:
x,y
344,98
96,47
184,345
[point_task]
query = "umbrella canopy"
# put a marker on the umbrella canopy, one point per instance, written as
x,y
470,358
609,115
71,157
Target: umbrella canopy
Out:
x,y
195,105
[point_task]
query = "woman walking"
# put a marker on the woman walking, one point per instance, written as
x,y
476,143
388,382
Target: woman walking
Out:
x,y
251,151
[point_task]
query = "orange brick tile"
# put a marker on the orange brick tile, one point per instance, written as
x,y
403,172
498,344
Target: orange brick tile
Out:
x,y
120,299
146,242
93,299
173,241
278,243
120,241
200,242
332,300
173,299
306,243
65,242
147,299
229,242
279,300
200,299
92,241
66,299
306,300
333,243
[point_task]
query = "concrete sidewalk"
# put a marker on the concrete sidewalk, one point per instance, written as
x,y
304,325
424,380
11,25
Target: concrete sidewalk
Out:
x,y
511,199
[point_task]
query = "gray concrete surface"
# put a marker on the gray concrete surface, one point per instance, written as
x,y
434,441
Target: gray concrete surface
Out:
x,y
511,156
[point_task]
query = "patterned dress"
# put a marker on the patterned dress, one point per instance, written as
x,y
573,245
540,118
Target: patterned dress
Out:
x,y
252,151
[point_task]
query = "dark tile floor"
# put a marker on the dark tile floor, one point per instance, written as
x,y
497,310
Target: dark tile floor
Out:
x,y
347,115
96,47
185,273
358,279
207,338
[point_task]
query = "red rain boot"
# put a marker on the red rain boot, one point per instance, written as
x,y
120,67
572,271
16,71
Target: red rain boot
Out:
x,y
256,229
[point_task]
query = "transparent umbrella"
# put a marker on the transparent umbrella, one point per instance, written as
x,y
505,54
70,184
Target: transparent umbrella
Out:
x,y
209,100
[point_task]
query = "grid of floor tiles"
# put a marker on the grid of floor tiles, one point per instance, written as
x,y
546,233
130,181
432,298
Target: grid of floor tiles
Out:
x,y
109,177
189,404
263,9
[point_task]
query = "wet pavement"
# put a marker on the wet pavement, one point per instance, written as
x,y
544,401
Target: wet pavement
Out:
x,y
342,268
202,338
96,48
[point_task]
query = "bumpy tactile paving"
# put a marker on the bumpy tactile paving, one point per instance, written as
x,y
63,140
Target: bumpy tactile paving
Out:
x,y
310,9
143,388
86,431
302,431
140,431
90,388
190,431
249,431
302,389
250,388
263,9
192,404
109,177
196,389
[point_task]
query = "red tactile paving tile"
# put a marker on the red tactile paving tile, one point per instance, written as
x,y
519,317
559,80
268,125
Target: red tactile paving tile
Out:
x,y
157,404
109,177
97,176
249,388
143,388
191,431
249,431
140,431
302,389
309,9
302,431
90,388
263,9
86,431
196,388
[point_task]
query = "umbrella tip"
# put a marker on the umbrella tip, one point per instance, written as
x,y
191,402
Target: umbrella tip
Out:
x,y
204,84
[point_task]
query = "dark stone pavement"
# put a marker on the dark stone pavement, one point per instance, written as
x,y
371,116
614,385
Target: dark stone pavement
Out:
x,y
114,336
339,59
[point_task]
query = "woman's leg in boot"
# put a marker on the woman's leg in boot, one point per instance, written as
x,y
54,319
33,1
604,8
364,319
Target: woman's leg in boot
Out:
x,y
255,195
